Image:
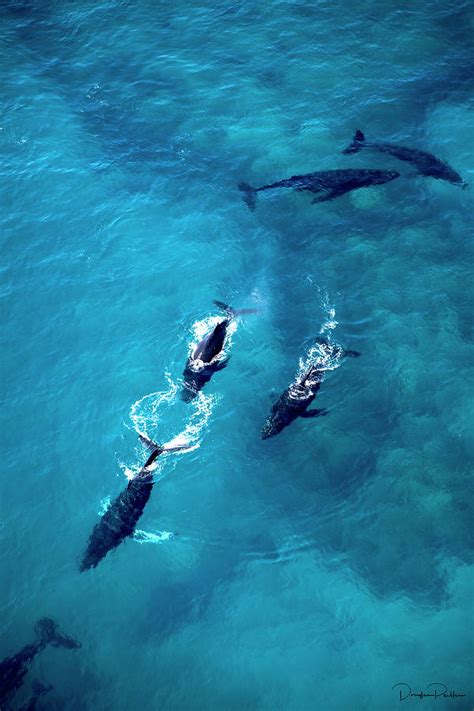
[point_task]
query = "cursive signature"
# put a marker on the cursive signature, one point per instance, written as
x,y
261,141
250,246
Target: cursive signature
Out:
x,y
438,691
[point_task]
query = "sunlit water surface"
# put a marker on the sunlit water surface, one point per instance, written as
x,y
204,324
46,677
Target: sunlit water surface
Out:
x,y
313,570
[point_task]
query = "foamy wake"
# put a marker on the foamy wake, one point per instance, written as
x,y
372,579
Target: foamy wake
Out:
x,y
148,410
330,323
324,357
152,537
150,415
202,407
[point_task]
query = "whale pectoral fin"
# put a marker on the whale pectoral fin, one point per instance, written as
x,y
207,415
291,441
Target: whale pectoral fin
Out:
x,y
307,414
351,354
222,364
329,195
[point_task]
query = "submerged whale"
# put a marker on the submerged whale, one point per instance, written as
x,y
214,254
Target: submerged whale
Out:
x,y
332,183
121,517
205,360
298,396
39,689
425,163
13,669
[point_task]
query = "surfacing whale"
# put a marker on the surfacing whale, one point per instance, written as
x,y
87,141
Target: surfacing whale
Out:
x,y
14,669
121,517
425,163
331,183
206,359
298,396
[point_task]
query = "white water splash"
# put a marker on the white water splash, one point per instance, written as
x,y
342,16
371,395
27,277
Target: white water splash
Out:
x,y
147,411
330,323
152,537
150,412
104,506
322,356
202,407
326,355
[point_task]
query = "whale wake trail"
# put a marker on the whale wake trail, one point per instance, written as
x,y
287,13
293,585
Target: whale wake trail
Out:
x,y
318,354
152,416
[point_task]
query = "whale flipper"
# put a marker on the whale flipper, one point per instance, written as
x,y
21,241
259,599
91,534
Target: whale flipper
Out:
x,y
222,364
314,413
351,354
329,195
249,195
357,143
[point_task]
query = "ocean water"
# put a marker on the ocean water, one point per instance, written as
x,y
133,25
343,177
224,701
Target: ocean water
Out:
x,y
314,570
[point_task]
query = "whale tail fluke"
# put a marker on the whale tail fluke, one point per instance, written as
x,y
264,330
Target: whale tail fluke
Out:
x,y
48,632
357,143
161,447
250,195
231,312
148,442
177,447
39,689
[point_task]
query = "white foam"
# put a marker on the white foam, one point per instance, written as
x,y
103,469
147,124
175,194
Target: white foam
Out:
x,y
147,410
330,323
150,412
152,537
320,356
104,505
324,356
202,407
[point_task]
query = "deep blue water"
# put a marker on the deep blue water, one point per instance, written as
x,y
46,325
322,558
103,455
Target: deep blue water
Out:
x,y
313,570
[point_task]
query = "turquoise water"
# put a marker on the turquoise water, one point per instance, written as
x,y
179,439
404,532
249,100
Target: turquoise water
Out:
x,y
319,568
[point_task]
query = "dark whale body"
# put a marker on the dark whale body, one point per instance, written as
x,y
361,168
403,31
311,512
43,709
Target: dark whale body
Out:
x,y
296,399
332,183
120,519
14,669
426,163
39,689
204,360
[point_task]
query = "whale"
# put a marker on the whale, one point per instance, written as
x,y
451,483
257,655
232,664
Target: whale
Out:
x,y
298,396
425,163
206,359
330,183
120,519
39,689
14,669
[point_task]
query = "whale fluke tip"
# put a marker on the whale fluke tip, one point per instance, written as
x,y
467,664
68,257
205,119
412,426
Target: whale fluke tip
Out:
x,y
148,442
250,195
357,143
